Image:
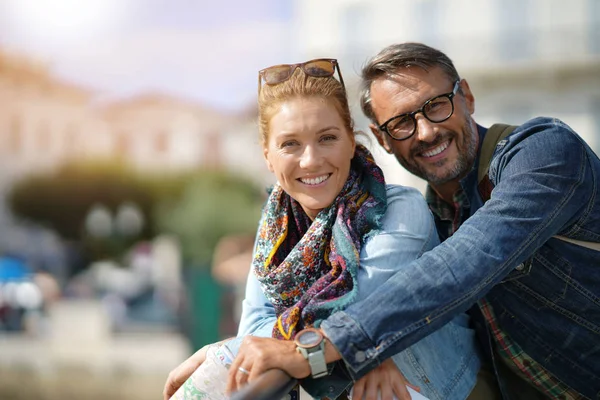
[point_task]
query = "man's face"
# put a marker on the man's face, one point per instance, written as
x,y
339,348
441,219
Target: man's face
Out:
x,y
437,152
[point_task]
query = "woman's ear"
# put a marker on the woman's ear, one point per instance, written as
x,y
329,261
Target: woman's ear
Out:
x,y
266,156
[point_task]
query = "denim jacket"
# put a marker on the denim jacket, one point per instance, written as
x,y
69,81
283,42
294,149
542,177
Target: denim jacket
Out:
x,y
444,364
545,292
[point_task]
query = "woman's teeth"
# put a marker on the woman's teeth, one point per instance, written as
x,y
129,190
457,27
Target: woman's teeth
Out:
x,y
314,181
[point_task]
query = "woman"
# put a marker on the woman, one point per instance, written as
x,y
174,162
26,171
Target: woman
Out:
x,y
331,232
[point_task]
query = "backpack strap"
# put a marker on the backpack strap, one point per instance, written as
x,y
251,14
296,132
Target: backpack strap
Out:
x,y
495,134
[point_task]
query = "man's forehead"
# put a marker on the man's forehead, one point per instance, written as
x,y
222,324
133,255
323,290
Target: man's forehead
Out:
x,y
411,78
402,78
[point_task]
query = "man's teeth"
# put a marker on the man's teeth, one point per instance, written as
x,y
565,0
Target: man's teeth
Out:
x,y
314,181
436,150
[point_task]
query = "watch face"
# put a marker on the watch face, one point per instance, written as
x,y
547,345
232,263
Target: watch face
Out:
x,y
308,338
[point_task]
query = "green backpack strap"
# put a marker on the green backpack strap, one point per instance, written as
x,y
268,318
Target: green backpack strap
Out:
x,y
495,134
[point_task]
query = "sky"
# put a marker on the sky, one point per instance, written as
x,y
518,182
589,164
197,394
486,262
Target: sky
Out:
x,y
204,50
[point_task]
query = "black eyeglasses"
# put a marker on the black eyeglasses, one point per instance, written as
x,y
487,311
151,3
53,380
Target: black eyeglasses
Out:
x,y
319,68
436,110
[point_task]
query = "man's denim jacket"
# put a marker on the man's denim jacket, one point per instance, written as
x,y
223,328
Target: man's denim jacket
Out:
x,y
444,364
545,292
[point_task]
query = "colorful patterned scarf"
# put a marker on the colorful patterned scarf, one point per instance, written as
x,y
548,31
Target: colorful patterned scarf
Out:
x,y
307,269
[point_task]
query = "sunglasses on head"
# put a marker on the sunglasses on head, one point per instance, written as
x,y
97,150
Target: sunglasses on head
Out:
x,y
318,68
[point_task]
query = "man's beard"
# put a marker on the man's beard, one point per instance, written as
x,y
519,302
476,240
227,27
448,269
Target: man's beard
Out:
x,y
466,150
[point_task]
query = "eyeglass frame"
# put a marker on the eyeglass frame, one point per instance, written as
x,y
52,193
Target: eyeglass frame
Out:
x,y
333,61
449,95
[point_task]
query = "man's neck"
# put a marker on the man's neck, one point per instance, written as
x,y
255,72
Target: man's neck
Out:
x,y
446,190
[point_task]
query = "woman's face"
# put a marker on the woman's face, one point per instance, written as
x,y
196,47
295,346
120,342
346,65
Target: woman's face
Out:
x,y
309,150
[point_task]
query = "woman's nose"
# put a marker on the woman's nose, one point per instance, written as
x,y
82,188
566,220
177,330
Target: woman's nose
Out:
x,y
310,157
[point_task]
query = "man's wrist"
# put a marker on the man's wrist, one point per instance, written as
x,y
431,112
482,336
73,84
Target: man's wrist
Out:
x,y
331,352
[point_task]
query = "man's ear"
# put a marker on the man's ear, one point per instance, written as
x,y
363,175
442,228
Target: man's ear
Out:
x,y
266,156
380,138
469,98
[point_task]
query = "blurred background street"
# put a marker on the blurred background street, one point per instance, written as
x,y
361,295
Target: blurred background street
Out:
x,y
131,178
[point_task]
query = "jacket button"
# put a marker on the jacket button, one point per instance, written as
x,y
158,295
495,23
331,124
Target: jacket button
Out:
x,y
360,356
520,267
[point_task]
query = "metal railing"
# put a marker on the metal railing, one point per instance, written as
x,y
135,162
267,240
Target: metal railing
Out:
x,y
274,384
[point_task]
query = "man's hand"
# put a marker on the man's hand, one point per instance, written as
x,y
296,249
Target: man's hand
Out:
x,y
386,380
179,375
257,355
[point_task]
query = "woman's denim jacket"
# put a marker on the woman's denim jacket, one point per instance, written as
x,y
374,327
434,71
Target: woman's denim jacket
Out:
x,y
544,291
444,364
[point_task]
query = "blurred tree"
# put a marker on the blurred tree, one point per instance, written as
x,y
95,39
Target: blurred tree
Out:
x,y
62,201
214,205
81,202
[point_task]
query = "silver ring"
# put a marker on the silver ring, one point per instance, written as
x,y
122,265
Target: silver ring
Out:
x,y
244,370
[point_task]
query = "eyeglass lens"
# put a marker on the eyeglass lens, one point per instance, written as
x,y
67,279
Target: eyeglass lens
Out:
x,y
436,110
280,73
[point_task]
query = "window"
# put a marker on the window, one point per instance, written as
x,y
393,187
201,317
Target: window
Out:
x,y
43,139
427,21
15,136
161,143
354,24
594,26
515,113
516,38
593,140
122,145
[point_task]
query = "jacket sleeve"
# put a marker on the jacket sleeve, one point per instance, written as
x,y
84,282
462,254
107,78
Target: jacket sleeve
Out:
x,y
539,176
258,315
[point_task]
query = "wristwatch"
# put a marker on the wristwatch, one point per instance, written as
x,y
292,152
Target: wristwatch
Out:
x,y
311,344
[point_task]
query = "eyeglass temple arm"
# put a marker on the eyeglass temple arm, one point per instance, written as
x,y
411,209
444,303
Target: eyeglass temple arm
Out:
x,y
337,66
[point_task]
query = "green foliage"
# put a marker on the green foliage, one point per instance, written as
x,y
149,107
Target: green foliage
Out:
x,y
214,205
199,207
62,200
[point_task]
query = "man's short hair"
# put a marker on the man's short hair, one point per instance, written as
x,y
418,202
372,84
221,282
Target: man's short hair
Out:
x,y
395,57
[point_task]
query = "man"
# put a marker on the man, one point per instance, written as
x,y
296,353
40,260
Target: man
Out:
x,y
537,297
541,308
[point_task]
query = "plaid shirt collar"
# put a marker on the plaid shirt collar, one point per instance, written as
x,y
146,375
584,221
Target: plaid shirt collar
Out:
x,y
449,216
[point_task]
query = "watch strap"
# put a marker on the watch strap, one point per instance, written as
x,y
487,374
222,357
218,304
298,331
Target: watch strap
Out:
x,y
316,360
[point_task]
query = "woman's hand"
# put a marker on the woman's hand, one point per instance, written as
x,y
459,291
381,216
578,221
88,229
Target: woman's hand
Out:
x,y
179,375
257,355
386,380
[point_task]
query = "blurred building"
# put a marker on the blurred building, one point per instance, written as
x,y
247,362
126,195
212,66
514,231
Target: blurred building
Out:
x,y
157,132
46,122
522,58
43,122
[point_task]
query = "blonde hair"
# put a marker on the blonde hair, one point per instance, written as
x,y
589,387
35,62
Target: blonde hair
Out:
x,y
300,85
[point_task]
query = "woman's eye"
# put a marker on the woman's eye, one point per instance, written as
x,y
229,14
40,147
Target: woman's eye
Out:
x,y
327,138
288,143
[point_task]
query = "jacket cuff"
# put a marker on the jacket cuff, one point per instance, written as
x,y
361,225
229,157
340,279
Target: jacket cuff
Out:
x,y
357,351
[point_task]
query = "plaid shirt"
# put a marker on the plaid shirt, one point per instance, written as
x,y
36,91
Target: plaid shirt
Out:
x,y
448,220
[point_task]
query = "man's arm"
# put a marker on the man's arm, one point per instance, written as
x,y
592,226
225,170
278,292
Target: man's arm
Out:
x,y
539,191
